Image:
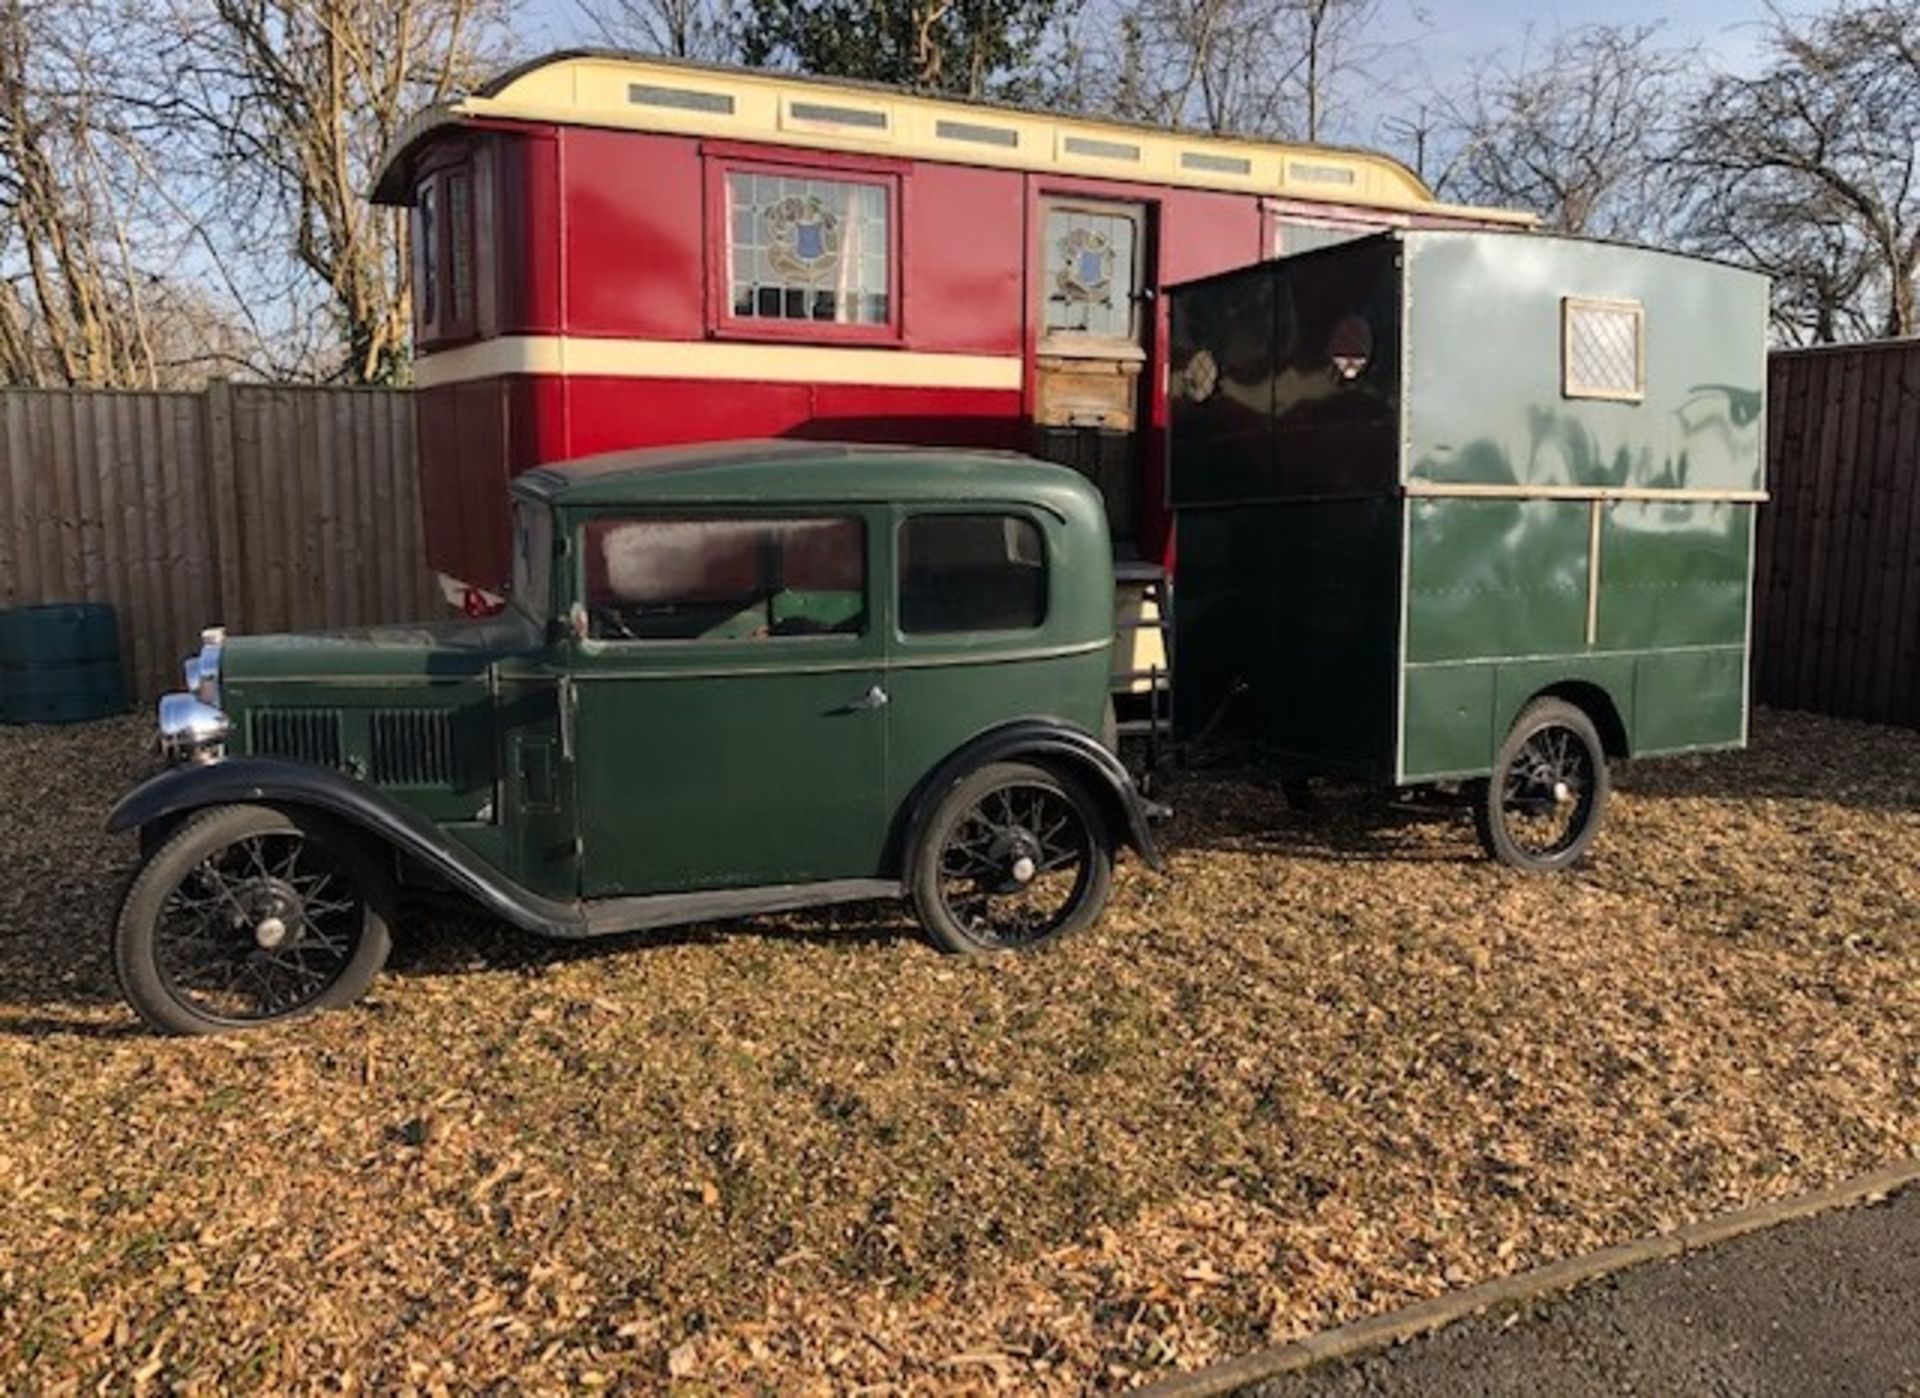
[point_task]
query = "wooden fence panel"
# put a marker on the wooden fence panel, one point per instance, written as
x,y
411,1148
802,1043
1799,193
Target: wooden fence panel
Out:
x,y
1837,584
259,506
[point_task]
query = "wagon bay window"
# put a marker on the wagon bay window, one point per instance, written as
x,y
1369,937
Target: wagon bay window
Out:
x,y
426,234
804,249
724,579
460,248
443,254
971,572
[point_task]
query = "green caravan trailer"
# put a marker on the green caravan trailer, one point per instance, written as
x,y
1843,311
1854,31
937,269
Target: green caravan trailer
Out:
x,y
1469,510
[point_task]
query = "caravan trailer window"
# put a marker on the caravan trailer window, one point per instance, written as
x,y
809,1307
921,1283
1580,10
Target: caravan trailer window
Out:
x,y
1603,349
803,249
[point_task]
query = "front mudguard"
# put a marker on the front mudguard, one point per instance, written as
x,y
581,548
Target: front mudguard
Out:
x,y
179,792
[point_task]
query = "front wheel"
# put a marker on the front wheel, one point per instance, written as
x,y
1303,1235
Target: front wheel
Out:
x,y
1015,855
247,915
1541,809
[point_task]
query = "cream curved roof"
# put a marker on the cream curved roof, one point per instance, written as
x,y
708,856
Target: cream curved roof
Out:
x,y
629,92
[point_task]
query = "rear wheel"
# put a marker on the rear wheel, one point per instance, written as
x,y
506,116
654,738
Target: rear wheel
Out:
x,y
1015,855
248,915
1541,809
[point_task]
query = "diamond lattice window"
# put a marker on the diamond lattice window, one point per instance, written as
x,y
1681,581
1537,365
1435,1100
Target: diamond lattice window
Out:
x,y
1604,350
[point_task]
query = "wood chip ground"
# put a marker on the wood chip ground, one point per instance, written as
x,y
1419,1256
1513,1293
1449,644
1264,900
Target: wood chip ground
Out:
x,y
1323,1068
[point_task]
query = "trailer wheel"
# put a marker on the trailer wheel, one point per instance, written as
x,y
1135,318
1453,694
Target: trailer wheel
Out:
x,y
1540,810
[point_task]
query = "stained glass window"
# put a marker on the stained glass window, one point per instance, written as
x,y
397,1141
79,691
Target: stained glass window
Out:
x,y
1092,272
807,249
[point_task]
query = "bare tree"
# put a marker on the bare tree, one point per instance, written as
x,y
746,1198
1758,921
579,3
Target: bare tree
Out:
x,y
1810,170
1332,39
282,108
72,288
1253,67
1576,132
1207,64
702,30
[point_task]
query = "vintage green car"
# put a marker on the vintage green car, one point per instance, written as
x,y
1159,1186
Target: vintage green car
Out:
x,y
733,679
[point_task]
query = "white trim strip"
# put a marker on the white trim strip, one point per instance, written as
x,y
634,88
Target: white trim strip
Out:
x,y
1466,491
563,355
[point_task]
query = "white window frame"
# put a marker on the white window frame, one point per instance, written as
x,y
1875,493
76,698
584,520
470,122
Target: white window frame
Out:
x,y
1572,306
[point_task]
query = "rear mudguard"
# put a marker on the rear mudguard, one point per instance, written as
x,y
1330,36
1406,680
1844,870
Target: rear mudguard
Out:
x,y
1052,743
273,781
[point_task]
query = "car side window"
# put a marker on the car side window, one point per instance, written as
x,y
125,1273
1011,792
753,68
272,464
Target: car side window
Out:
x,y
724,579
971,572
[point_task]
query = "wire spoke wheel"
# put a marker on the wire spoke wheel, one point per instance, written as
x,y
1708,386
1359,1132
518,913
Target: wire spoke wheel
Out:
x,y
1542,805
1547,792
248,915
1015,857
258,929
1014,864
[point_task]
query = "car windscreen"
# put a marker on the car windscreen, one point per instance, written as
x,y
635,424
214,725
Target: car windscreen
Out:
x,y
530,590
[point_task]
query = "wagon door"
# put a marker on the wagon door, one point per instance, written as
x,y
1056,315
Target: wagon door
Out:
x,y
1093,296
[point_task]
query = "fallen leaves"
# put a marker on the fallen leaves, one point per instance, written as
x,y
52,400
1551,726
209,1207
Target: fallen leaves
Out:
x,y
1324,1068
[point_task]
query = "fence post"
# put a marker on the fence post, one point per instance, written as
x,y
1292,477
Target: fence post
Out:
x,y
223,501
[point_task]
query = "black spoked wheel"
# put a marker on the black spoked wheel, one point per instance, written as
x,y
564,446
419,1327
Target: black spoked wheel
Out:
x,y
1542,806
1014,856
249,915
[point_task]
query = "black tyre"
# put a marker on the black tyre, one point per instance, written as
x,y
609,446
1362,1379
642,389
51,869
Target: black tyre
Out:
x,y
1541,809
249,915
1014,855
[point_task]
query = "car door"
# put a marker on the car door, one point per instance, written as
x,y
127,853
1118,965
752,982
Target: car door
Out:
x,y
728,699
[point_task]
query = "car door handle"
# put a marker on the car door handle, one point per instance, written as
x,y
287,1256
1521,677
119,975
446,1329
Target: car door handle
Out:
x,y
874,698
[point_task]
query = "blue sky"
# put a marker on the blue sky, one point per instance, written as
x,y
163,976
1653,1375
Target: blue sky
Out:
x,y
1459,31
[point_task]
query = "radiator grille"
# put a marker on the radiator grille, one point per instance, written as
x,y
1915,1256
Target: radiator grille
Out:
x,y
307,735
412,747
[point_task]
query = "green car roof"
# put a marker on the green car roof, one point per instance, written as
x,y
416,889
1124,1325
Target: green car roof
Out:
x,y
779,472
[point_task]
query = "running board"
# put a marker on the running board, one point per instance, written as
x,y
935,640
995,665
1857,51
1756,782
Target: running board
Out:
x,y
608,915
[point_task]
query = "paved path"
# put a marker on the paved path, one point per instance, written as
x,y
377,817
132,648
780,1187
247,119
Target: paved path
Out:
x,y
1827,1305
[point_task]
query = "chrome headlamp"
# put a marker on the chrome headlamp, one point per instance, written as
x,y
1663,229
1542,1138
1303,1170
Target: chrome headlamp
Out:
x,y
192,728
202,670
192,731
